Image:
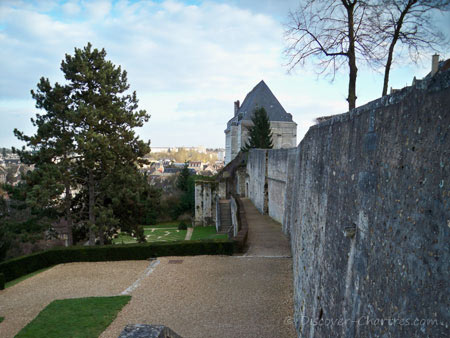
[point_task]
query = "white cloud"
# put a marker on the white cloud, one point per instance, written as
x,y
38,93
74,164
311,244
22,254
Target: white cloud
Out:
x,y
71,8
97,10
188,63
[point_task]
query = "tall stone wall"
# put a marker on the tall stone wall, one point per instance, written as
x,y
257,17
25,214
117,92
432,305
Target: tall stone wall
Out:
x,y
276,181
256,171
272,167
367,206
290,189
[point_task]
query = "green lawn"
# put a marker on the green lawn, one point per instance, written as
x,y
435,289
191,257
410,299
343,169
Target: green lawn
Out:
x,y
79,317
166,232
124,239
18,280
154,235
207,233
164,235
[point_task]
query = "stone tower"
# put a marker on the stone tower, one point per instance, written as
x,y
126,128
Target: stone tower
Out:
x,y
284,129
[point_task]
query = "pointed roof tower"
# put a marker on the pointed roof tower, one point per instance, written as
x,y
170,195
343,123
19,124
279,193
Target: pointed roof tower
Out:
x,y
261,96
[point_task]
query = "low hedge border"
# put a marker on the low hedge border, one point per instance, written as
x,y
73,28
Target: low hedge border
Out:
x,y
2,281
24,265
240,240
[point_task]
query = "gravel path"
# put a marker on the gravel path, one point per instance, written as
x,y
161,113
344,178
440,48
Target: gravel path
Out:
x,y
20,303
202,296
207,296
189,234
264,234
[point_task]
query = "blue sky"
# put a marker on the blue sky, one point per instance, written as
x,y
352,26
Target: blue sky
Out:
x,y
187,60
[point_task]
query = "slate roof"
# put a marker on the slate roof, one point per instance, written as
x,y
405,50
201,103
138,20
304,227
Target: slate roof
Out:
x,y
261,96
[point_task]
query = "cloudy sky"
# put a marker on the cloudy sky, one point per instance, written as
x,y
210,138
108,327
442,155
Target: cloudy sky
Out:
x,y
187,60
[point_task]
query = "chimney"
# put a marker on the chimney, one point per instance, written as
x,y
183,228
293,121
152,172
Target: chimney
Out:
x,y
434,64
236,107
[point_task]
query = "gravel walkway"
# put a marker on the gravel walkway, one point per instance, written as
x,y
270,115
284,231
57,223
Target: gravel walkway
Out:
x,y
189,234
207,296
202,296
21,303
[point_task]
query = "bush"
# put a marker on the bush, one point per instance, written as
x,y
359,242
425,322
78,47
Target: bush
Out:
x,y
2,281
182,226
24,265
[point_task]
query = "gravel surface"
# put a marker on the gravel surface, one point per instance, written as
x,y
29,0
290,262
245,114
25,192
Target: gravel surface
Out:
x,y
21,303
207,296
202,296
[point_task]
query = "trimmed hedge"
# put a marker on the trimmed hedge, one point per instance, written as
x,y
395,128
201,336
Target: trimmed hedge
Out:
x,y
2,281
24,265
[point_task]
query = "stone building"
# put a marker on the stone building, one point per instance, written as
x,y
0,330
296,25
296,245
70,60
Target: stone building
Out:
x,y
284,129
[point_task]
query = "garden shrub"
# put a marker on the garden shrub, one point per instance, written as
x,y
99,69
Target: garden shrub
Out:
x,y
2,281
182,226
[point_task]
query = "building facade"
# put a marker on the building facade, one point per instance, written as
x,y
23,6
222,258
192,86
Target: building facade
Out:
x,y
284,129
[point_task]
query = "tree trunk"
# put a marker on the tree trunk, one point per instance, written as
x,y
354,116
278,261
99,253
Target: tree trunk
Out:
x,y
101,236
398,28
351,58
387,69
91,207
68,202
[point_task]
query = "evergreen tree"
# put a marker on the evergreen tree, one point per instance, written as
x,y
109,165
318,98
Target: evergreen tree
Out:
x,y
51,150
86,142
260,134
182,182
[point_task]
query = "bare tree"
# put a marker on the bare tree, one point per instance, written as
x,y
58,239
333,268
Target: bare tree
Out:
x,y
332,32
408,22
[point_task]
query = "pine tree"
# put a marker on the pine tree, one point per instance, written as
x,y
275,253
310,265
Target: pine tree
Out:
x,y
51,151
86,140
182,182
260,134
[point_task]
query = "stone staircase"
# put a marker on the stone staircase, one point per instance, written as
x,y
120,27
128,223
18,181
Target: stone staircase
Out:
x,y
226,227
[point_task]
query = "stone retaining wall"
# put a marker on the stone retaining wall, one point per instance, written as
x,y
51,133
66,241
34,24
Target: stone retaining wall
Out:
x,y
367,206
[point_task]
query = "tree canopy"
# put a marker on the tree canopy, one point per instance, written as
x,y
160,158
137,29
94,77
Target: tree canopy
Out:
x,y
335,33
408,23
85,151
260,134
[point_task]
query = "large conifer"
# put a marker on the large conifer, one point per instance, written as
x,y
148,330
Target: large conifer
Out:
x,y
87,135
260,134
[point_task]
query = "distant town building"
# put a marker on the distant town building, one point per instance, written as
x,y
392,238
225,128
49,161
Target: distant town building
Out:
x,y
221,155
284,129
3,174
163,149
196,165
199,149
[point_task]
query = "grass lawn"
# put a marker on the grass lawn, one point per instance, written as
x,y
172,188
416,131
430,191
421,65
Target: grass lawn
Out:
x,y
79,317
164,235
207,233
166,232
124,239
18,280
